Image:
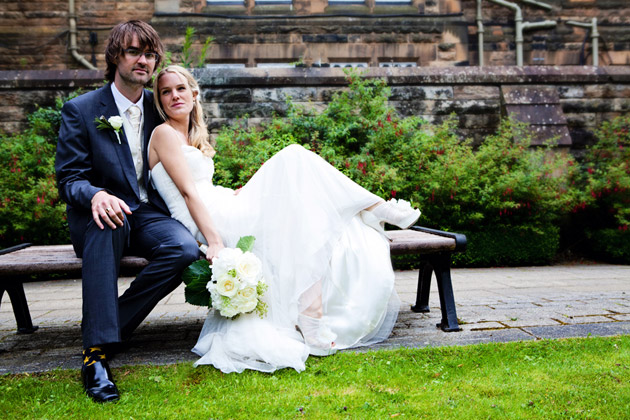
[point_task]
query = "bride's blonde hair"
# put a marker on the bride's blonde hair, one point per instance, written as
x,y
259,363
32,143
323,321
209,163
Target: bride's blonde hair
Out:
x,y
197,129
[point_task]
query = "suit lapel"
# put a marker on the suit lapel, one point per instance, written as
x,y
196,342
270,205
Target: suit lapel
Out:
x,y
108,109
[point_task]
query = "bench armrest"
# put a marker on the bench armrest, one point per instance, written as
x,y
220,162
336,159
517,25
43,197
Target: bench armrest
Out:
x,y
14,248
460,239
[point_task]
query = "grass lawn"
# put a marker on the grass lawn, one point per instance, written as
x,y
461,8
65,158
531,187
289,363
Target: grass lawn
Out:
x,y
585,378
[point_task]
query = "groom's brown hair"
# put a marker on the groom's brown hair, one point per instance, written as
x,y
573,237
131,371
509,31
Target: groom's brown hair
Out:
x,y
121,36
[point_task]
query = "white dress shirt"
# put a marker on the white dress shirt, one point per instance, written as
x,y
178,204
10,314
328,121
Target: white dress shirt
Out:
x,y
135,139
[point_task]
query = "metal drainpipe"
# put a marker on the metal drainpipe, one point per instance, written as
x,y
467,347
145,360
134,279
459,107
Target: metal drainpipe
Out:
x,y
537,3
520,26
518,18
72,21
594,35
480,32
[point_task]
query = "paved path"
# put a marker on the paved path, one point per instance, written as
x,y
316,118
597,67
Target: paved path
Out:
x,y
498,304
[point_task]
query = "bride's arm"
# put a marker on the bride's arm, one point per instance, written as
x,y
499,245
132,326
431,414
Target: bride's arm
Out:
x,y
168,150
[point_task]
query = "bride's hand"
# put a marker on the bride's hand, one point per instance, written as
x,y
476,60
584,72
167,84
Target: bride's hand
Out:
x,y
213,250
238,190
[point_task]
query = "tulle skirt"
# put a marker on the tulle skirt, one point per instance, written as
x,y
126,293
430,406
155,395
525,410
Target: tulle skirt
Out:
x,y
331,283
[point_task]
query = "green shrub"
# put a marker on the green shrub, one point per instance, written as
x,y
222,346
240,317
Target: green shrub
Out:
x,y
604,209
509,246
30,208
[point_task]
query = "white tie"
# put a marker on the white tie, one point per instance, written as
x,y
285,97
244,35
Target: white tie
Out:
x,y
134,118
135,145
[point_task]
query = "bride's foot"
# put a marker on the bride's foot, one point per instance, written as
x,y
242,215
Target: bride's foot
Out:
x,y
396,212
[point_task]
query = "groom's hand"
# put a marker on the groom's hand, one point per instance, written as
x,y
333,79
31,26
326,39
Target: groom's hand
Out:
x,y
109,209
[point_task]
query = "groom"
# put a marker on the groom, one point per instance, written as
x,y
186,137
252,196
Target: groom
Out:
x,y
113,210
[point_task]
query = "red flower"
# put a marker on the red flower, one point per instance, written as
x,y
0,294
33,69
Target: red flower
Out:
x,y
589,170
393,193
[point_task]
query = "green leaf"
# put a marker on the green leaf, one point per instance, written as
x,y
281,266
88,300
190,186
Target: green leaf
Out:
x,y
246,243
196,277
199,271
198,297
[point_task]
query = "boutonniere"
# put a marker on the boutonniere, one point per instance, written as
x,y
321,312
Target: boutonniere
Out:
x,y
114,123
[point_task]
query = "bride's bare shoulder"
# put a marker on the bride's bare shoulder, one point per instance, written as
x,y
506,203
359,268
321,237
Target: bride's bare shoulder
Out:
x,y
164,134
163,130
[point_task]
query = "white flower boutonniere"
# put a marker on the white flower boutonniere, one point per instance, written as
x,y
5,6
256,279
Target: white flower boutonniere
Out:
x,y
114,123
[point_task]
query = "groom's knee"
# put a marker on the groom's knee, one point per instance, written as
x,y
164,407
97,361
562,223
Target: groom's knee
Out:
x,y
181,252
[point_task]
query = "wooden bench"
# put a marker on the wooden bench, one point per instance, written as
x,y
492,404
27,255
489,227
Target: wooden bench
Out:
x,y
433,247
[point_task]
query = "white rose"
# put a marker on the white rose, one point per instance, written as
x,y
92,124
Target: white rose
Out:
x,y
227,285
116,122
229,311
226,260
217,302
246,299
249,269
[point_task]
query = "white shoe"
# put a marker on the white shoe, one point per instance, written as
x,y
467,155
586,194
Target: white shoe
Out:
x,y
396,212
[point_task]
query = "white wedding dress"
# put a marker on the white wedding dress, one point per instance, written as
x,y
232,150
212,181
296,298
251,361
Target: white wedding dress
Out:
x,y
331,283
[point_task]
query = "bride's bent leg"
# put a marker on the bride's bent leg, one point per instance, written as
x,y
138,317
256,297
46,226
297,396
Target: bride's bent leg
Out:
x,y
339,188
316,335
311,300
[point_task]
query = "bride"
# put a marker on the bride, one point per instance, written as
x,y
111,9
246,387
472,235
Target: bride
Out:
x,y
318,234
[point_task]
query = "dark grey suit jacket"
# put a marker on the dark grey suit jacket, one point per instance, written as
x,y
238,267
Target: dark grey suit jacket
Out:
x,y
91,159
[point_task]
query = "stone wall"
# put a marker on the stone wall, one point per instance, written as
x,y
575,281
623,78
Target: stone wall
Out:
x,y
565,101
34,34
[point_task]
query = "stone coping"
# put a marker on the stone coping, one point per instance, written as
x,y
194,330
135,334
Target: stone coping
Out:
x,y
34,79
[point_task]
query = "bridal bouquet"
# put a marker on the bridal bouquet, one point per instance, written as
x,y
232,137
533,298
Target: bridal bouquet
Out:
x,y
232,285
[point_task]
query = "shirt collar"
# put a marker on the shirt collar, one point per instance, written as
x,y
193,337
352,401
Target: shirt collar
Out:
x,y
123,104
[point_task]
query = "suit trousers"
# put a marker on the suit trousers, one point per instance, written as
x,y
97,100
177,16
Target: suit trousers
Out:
x,y
149,233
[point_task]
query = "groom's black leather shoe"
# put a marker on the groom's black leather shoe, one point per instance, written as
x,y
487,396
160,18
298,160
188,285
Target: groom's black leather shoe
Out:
x,y
113,349
98,382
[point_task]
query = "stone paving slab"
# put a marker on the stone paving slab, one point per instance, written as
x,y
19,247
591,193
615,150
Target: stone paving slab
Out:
x,y
494,305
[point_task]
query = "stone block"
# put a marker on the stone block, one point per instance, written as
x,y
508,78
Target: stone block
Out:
x,y
476,92
211,110
581,120
586,105
479,120
447,55
580,330
227,95
325,38
565,92
541,114
256,110
529,94
414,93
297,94
408,108
470,106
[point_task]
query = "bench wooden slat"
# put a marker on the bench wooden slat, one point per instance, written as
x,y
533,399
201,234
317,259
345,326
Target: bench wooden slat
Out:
x,y
61,258
414,242
51,259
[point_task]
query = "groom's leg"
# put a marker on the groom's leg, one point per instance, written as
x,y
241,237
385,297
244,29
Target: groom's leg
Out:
x,y
170,248
101,254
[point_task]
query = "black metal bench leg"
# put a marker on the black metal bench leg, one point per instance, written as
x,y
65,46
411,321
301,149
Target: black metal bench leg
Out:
x,y
424,287
442,266
20,308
